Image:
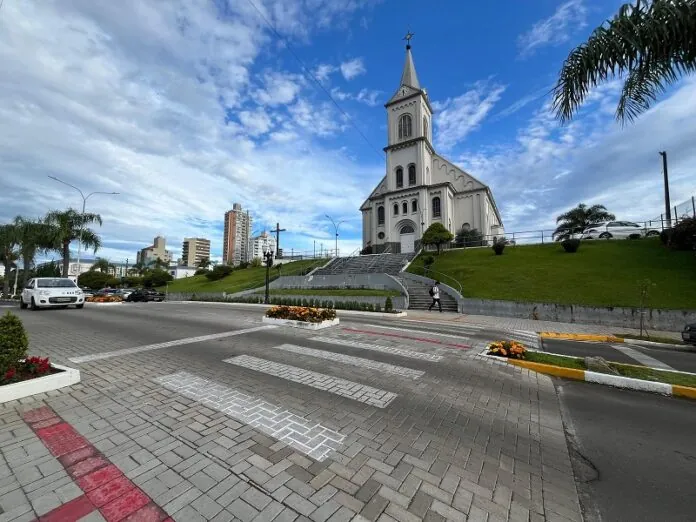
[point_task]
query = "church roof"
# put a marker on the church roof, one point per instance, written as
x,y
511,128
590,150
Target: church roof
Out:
x,y
409,76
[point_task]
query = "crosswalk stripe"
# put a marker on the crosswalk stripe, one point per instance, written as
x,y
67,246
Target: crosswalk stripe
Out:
x,y
310,438
425,332
412,354
642,358
344,388
354,361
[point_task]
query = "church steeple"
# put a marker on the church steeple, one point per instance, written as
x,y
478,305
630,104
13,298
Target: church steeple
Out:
x,y
409,76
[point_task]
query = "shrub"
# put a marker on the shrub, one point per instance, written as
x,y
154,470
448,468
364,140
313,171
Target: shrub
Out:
x,y
378,308
243,265
511,349
469,238
428,261
13,344
499,246
256,262
201,271
301,313
665,236
683,235
96,280
388,305
219,272
570,245
157,277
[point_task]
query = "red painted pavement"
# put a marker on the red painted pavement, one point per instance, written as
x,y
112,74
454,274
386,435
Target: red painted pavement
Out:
x,y
107,490
422,339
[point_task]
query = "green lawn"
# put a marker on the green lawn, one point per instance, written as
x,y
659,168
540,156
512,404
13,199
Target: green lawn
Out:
x,y
333,292
556,360
601,273
238,280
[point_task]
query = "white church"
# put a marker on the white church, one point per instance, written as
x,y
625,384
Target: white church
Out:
x,y
420,186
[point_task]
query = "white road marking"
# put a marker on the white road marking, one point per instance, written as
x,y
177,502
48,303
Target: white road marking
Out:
x,y
168,344
310,438
354,361
425,332
320,381
378,348
642,358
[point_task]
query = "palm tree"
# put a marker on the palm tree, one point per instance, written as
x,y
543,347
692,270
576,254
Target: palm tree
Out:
x,y
33,237
204,263
102,264
71,226
9,252
580,218
651,44
158,263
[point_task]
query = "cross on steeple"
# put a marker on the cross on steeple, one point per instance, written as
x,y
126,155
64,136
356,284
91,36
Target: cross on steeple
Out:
x,y
408,37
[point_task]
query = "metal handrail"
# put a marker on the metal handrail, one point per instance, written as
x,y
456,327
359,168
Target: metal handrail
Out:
x,y
457,285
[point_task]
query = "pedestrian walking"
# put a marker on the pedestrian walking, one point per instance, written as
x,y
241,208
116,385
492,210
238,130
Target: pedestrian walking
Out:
x,y
435,294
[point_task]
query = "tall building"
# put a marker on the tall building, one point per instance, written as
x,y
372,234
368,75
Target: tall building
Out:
x,y
258,244
235,242
193,250
420,186
158,249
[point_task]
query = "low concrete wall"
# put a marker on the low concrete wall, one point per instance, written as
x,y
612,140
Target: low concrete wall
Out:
x,y
373,281
666,320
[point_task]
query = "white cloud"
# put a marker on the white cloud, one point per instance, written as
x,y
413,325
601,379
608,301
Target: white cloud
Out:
x,y
556,29
324,71
279,88
255,122
456,117
352,68
366,96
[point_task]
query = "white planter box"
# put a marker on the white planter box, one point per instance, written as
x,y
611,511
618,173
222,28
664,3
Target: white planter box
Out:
x,y
301,324
103,304
19,390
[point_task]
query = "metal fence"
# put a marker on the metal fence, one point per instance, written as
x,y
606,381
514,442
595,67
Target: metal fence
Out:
x,y
684,210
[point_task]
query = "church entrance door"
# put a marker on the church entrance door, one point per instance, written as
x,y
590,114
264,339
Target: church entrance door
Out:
x,y
408,240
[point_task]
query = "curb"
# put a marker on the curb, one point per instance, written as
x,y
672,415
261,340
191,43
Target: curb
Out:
x,y
256,305
653,344
581,337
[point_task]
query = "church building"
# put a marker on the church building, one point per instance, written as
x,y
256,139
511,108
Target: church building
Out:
x,y
421,187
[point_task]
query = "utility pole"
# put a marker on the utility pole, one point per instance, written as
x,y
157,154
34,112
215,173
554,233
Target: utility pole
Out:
x,y
277,231
668,211
335,225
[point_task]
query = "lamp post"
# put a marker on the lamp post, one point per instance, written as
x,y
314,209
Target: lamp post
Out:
x,y
84,204
268,257
668,211
336,225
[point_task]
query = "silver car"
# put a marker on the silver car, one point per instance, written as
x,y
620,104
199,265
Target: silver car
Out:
x,y
618,230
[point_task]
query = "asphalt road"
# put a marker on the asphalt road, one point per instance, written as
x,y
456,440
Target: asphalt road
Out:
x,y
676,359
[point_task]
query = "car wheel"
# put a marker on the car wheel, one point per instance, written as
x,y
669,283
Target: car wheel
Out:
x,y
80,306
22,304
652,233
605,235
33,305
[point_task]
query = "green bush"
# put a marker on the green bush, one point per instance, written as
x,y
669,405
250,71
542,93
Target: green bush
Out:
x,y
683,235
570,245
243,265
378,308
219,272
428,261
499,246
157,277
13,342
201,271
388,305
256,262
96,280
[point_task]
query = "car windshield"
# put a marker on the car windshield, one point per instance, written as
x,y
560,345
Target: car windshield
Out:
x,y
55,283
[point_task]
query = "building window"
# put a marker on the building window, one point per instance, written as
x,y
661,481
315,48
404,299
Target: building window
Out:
x,y
414,206
396,209
380,235
405,126
436,207
399,177
425,127
380,215
407,229
411,174
404,207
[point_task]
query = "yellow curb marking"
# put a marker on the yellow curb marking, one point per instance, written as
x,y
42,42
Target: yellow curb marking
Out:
x,y
683,391
581,337
557,371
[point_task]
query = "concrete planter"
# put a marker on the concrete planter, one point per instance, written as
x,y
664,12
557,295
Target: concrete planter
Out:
x,y
19,390
301,324
103,304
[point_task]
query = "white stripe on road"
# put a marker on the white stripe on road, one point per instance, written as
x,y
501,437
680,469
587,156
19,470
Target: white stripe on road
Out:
x,y
312,439
351,390
642,358
168,344
354,361
378,348
425,332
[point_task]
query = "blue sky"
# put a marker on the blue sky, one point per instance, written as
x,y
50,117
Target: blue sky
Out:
x,y
187,106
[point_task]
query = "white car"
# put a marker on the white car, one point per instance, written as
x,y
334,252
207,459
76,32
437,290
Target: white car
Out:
x,y
48,292
618,230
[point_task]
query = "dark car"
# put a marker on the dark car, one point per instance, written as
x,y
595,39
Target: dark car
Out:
x,y
689,333
144,295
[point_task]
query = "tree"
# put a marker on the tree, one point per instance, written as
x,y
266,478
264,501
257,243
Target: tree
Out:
x,y
103,265
96,280
157,277
650,44
71,225
437,235
578,219
9,252
33,237
469,238
204,263
159,264
51,269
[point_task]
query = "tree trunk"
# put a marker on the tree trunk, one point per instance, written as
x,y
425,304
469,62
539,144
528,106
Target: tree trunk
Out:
x,y
66,258
25,276
6,279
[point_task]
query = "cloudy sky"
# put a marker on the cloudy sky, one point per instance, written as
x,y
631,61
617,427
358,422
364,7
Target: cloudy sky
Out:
x,y
187,106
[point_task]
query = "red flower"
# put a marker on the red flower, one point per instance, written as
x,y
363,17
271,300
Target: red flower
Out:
x,y
9,374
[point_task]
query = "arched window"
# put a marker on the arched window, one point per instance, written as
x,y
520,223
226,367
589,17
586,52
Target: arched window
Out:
x,y
411,174
399,177
396,209
407,229
405,126
425,127
380,215
436,207
414,206
404,207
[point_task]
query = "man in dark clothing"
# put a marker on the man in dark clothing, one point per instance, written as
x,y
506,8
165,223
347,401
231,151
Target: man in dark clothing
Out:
x,y
435,294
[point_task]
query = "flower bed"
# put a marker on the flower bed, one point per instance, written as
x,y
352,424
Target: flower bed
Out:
x,y
104,299
301,317
29,368
509,349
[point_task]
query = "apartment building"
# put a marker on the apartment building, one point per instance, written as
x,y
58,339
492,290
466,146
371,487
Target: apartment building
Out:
x,y
194,250
258,244
158,249
237,232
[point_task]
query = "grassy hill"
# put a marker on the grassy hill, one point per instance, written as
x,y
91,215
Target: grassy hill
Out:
x,y
239,280
601,273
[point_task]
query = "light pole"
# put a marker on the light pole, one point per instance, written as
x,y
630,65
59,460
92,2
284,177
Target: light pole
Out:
x,y
84,204
668,212
336,225
268,256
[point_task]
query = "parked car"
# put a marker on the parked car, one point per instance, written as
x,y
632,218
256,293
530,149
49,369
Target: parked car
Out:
x,y
87,291
48,292
689,334
144,295
618,230
124,292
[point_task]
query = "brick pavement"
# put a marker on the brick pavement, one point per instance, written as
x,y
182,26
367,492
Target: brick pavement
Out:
x,y
468,440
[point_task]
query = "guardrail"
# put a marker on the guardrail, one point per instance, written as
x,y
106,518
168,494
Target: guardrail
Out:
x,y
434,274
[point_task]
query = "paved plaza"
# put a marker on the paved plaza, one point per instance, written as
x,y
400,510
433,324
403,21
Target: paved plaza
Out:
x,y
202,412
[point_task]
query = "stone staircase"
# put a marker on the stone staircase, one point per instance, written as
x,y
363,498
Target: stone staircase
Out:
x,y
419,298
372,264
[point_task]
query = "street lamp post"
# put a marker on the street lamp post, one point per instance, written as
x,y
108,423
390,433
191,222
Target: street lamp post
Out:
x,y
336,225
668,211
84,204
268,256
